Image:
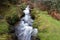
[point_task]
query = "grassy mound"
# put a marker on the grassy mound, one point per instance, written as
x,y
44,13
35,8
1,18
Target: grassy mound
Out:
x,y
49,28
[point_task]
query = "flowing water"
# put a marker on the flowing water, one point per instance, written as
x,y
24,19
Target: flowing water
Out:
x,y
24,29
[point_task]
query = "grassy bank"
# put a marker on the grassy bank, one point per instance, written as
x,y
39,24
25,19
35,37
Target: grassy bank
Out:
x,y
3,23
49,28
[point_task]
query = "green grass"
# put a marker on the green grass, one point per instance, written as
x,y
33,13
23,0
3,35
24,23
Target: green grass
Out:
x,y
4,25
49,28
12,11
5,37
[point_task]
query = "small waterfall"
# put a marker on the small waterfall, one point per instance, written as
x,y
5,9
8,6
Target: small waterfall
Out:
x,y
24,29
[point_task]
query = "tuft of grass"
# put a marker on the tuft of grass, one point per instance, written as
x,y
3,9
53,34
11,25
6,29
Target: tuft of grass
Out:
x,y
3,27
5,37
11,12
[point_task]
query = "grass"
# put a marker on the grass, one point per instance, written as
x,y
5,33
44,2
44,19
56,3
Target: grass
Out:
x,y
49,28
5,37
4,25
12,11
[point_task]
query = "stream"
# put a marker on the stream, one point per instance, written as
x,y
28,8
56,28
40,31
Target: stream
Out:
x,y
24,29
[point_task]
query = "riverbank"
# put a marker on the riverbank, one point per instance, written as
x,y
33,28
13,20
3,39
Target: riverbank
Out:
x,y
49,28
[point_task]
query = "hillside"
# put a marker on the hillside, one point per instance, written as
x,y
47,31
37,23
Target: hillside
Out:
x,y
49,28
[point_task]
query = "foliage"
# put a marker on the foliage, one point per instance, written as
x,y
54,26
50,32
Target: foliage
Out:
x,y
13,1
3,27
23,6
52,4
8,13
5,37
12,20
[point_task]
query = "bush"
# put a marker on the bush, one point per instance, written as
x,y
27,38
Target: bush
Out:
x,y
12,20
23,6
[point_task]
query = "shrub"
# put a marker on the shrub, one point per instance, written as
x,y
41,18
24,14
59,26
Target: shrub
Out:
x,y
12,20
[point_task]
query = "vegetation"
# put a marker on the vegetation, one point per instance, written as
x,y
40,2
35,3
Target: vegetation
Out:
x,y
4,25
49,28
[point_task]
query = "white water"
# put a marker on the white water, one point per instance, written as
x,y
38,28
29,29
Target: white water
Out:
x,y
24,29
